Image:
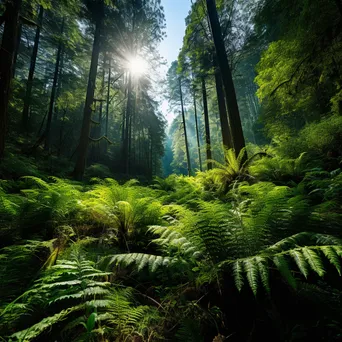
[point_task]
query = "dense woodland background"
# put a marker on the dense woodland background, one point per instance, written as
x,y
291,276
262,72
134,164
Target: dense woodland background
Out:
x,y
224,225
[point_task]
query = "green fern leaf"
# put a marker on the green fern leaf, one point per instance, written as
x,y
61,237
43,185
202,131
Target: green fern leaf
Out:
x,y
145,260
300,261
252,274
332,256
46,323
314,260
281,263
263,272
238,274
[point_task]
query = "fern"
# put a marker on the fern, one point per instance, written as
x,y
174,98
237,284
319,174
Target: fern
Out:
x,y
307,258
74,279
280,169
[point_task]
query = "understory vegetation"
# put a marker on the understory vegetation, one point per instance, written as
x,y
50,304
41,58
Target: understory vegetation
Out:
x,y
248,251
216,219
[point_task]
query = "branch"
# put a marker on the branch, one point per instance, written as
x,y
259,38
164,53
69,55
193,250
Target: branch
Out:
x,y
100,139
292,76
28,22
95,122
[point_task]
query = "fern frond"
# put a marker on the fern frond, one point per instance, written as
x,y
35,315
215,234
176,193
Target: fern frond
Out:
x,y
141,260
300,260
252,273
314,260
331,254
238,274
263,272
283,267
46,323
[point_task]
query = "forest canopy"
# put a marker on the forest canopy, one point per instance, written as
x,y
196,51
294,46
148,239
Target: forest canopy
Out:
x,y
222,223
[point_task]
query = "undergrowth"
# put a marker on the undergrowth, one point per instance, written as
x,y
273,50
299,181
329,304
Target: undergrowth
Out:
x,y
222,254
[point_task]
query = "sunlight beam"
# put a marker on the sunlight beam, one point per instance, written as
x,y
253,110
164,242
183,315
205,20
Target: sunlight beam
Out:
x,y
137,66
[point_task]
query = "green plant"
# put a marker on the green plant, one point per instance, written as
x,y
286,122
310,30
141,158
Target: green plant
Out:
x,y
249,237
98,170
235,168
279,169
75,298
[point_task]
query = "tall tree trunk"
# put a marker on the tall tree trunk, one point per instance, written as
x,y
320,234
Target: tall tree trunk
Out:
x,y
125,156
206,124
225,129
95,152
59,83
17,47
47,132
197,133
27,101
185,133
85,130
9,39
232,106
108,95
123,128
151,157
61,132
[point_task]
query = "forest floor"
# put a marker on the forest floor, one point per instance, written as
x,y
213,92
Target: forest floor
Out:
x,y
229,252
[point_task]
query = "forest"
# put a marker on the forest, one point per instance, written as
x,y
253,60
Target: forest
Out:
x,y
119,225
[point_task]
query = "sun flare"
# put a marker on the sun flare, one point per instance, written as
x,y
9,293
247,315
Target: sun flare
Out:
x,y
137,66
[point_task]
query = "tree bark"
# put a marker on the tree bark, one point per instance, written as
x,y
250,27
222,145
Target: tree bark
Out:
x,y
108,95
225,128
17,46
206,124
185,132
61,132
27,101
8,45
125,150
59,83
47,132
232,106
85,130
197,133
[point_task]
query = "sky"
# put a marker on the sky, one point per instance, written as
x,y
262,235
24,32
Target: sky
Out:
x,y
175,13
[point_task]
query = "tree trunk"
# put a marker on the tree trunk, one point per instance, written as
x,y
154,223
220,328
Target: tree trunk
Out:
x,y
225,129
197,133
9,40
27,101
59,84
47,132
123,128
125,156
61,132
17,47
232,106
108,95
206,124
85,130
185,133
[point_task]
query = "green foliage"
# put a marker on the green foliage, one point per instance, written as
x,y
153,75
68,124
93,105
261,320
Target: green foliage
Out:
x,y
75,293
15,166
279,169
244,237
298,74
185,242
98,170
223,174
